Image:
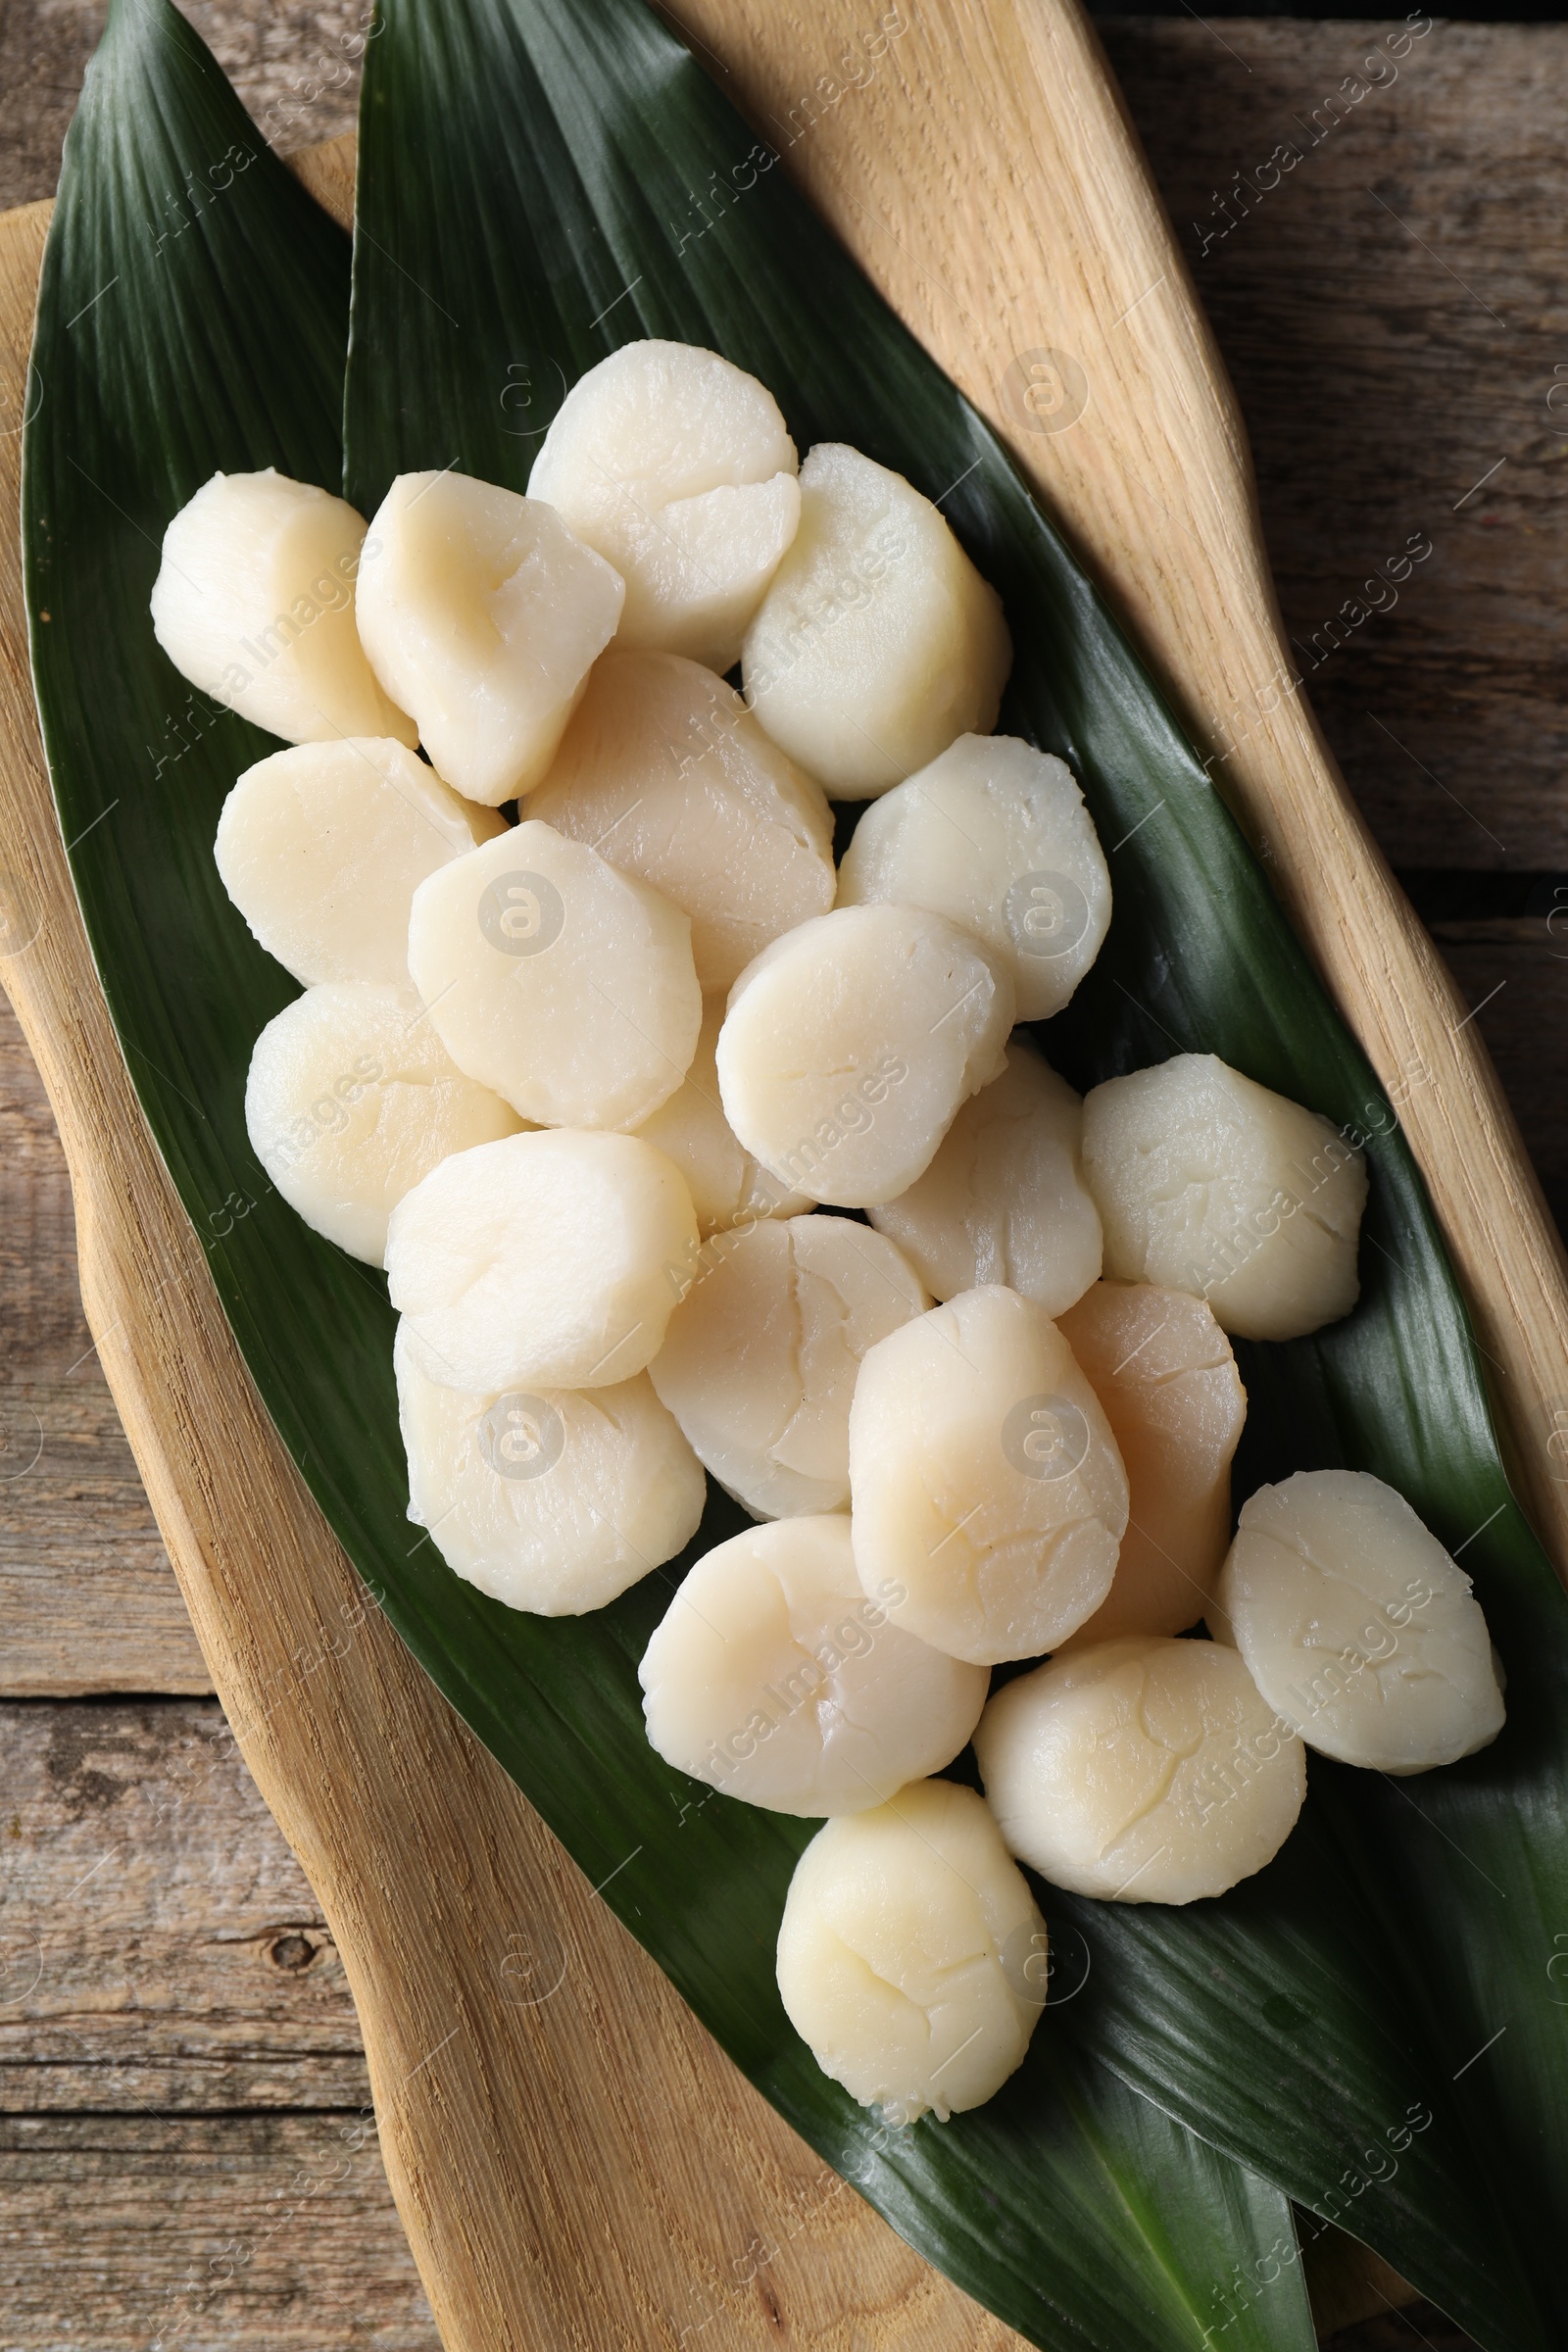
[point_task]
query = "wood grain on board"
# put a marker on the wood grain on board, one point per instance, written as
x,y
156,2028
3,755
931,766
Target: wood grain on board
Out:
x,y
1391,315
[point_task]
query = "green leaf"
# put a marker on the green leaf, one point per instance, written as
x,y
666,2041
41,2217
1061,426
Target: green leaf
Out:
x,y
193,317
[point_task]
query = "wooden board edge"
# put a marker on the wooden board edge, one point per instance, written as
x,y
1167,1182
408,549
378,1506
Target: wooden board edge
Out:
x,y
327,172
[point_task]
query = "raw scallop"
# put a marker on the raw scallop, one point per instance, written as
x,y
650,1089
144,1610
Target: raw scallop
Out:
x,y
775,1678
675,464
254,603
851,1042
878,643
1004,1198
483,616
984,1477
562,984
552,1501
1357,1625
1209,1183
1141,1771
1163,1370
551,1259
352,1100
911,1958
761,1354
994,835
323,847
668,775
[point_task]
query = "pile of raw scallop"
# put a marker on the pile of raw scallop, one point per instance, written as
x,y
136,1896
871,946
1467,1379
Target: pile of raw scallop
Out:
x,y
686,1151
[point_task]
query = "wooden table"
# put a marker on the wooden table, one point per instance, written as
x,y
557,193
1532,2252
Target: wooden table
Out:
x,y
185,2147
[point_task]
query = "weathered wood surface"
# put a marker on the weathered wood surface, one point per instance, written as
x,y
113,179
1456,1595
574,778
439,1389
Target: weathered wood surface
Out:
x,y
1368,388
293,61
87,1599
203,2234
1394,316
159,1947
165,1973
163,1967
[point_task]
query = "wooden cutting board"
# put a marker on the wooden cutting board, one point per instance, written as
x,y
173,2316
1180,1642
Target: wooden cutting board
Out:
x,y
574,2160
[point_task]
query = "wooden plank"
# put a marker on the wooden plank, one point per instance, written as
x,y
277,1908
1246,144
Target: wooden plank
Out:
x,y
160,1947
88,1602
1359,2304
203,2234
264,2233
1392,313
